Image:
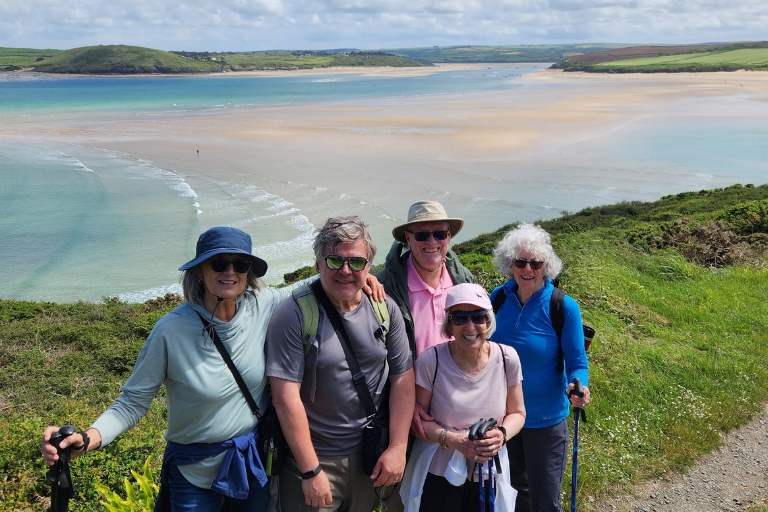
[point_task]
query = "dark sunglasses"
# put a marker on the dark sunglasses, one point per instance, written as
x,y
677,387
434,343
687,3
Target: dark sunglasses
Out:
x,y
423,236
241,266
535,265
460,318
335,262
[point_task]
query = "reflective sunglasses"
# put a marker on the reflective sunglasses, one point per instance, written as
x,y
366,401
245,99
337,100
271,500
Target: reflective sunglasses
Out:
x,y
241,266
335,262
535,265
460,318
423,236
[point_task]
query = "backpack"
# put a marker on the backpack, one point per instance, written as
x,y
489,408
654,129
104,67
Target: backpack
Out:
x,y
310,316
556,314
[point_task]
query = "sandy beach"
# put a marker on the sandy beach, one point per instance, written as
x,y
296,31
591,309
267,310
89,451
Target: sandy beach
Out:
x,y
435,142
540,144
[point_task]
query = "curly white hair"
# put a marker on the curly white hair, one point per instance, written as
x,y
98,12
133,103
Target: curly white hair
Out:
x,y
531,239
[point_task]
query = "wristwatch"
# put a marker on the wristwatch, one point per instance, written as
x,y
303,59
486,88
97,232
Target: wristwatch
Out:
x,y
503,431
311,474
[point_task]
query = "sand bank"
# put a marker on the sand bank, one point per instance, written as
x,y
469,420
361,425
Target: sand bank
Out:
x,y
539,144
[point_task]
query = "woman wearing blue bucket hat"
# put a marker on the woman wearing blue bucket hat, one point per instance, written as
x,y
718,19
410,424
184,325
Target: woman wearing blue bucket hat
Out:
x,y
211,462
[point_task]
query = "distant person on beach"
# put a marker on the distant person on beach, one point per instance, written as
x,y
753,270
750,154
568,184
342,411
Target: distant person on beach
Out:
x,y
537,455
209,419
320,403
461,382
419,270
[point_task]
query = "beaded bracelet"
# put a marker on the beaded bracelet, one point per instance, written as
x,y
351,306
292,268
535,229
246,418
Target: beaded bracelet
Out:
x,y
441,439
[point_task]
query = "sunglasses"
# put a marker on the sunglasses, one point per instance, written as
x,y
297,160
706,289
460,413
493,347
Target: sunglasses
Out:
x,y
335,262
241,266
460,318
535,265
423,236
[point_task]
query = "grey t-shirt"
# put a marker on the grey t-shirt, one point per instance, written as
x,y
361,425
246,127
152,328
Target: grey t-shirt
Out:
x,y
336,415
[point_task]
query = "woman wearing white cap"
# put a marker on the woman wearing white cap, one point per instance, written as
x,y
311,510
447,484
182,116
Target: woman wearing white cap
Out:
x,y
459,383
211,451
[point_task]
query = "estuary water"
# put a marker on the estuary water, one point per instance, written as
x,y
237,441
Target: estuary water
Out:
x,y
82,223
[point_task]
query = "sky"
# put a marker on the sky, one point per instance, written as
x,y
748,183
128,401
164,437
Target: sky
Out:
x,y
243,25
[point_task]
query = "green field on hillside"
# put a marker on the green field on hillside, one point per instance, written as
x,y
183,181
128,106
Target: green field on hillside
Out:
x,y
675,288
745,58
498,54
16,58
119,59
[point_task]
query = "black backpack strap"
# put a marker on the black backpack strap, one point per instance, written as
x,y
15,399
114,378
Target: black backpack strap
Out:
x,y
358,377
437,364
227,359
557,315
498,300
557,311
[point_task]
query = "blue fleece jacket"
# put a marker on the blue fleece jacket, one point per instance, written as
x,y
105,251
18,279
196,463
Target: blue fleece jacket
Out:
x,y
528,329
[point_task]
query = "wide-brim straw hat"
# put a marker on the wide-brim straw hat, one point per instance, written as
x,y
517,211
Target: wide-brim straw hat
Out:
x,y
427,211
225,240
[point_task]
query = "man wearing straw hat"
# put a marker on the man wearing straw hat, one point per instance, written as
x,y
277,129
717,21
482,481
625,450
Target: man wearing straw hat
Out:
x,y
419,270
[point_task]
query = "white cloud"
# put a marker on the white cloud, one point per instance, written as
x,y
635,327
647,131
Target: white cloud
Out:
x,y
315,24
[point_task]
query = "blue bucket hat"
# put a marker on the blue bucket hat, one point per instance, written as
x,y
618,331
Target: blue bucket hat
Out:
x,y
224,240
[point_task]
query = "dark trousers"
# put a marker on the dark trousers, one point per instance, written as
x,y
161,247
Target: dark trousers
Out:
x,y
439,495
537,460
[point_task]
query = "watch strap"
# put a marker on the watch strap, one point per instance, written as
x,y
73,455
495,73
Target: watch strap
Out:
x,y
311,474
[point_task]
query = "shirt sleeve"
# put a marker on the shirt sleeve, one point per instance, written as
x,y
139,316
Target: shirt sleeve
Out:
x,y
139,390
284,347
398,351
572,340
425,369
514,371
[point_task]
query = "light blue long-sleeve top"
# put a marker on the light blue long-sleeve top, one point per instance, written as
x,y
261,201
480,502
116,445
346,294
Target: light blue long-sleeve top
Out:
x,y
528,329
205,404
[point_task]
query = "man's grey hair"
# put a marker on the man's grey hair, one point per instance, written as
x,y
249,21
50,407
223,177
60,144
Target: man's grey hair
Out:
x,y
527,238
342,230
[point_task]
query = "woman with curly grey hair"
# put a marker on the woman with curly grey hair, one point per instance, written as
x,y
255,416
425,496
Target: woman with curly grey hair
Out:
x,y
538,454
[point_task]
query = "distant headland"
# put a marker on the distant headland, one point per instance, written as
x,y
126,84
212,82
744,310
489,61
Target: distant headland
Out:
x,y
596,58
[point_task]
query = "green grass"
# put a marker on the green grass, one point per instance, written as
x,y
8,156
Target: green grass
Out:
x,y
16,58
119,59
498,54
745,58
679,355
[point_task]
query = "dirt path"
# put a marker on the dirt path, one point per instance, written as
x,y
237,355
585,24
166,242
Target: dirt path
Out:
x,y
732,478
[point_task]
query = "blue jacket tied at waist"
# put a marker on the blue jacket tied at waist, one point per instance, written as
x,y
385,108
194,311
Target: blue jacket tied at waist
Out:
x,y
240,466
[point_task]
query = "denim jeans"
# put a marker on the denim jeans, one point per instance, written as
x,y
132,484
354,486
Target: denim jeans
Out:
x,y
185,496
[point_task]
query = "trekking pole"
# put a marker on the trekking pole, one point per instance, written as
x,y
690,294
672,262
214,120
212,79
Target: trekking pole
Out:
x,y
491,491
482,488
58,475
577,390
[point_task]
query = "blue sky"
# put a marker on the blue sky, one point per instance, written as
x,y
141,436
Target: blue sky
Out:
x,y
240,25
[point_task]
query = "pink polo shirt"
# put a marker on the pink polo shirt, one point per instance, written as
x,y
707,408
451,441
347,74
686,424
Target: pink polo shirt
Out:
x,y
427,305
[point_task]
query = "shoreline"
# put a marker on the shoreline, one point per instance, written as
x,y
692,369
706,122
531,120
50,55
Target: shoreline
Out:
x,y
340,70
529,149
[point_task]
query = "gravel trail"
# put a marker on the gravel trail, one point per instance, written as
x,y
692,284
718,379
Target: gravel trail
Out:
x,y
732,478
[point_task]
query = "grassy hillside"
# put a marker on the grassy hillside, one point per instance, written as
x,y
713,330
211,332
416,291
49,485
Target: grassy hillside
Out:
x,y
672,59
118,59
14,59
675,288
499,54
251,61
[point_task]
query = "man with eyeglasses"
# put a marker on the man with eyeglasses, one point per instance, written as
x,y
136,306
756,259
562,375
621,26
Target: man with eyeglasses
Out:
x,y
419,270
320,409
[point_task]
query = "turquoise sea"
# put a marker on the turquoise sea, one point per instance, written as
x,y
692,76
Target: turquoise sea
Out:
x,y
78,223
